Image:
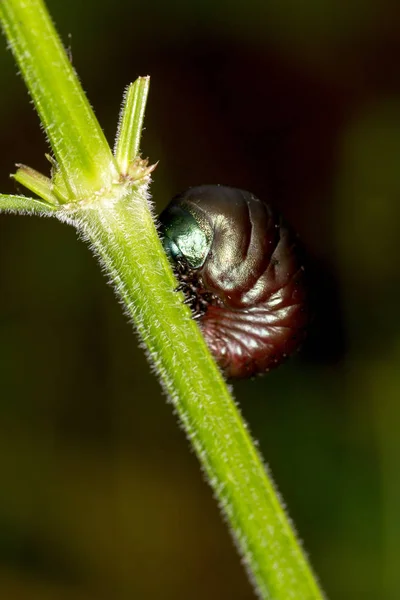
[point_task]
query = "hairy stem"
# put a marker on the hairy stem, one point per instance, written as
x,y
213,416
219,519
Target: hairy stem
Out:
x,y
140,272
83,155
110,208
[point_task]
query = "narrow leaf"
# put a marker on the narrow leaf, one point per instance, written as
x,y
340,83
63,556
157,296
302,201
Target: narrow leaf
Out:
x,y
37,183
131,122
24,205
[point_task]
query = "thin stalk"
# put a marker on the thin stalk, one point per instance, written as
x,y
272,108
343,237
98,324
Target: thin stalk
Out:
x,y
114,215
246,494
84,157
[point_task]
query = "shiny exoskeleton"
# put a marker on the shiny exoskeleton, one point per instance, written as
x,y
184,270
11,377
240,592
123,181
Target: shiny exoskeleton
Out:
x,y
240,270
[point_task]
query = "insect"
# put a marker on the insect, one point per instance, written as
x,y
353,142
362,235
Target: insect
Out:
x,y
241,273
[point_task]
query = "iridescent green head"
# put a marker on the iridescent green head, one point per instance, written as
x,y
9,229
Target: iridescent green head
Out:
x,y
186,234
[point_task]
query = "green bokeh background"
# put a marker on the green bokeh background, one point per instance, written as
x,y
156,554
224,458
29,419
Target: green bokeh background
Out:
x,y
100,495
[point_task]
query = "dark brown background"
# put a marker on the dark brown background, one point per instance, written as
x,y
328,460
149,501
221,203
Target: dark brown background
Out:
x,y
100,497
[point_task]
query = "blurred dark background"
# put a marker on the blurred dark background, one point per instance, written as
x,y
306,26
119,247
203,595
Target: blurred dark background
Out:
x,y
298,102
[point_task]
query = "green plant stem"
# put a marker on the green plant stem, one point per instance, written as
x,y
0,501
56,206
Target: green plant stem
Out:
x,y
83,155
112,212
210,418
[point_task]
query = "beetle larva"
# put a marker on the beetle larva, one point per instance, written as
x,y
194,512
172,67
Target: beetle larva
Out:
x,y
240,270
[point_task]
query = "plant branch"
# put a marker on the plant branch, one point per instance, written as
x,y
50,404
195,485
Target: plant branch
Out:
x,y
141,275
113,213
79,145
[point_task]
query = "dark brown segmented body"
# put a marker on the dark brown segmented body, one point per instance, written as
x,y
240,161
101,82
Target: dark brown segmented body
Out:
x,y
240,270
